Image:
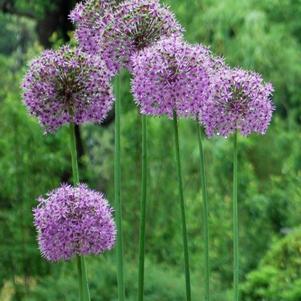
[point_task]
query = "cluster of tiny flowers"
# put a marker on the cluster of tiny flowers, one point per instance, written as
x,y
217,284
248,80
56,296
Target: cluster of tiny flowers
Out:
x,y
66,86
74,221
87,17
241,101
171,76
134,25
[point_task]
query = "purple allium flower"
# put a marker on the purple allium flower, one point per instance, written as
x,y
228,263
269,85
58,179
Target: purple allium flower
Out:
x,y
87,17
241,102
134,25
171,76
74,221
65,86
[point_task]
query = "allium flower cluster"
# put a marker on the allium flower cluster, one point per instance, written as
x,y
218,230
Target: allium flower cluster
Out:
x,y
241,102
65,86
74,221
171,76
87,16
134,25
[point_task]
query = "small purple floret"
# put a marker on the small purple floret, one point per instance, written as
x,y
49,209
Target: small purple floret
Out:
x,y
241,102
66,86
133,26
87,16
74,221
172,76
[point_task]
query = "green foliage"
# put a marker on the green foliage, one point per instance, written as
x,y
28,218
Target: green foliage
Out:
x,y
278,277
162,283
16,34
35,8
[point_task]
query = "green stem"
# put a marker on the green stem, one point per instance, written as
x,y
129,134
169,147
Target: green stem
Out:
x,y
118,211
80,280
82,272
182,205
143,210
235,224
205,214
73,150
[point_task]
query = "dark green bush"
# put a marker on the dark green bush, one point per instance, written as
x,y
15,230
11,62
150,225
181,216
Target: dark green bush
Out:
x,y
278,277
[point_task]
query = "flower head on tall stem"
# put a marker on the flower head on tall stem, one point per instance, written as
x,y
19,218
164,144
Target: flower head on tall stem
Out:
x,y
87,16
241,101
74,221
134,25
171,76
66,86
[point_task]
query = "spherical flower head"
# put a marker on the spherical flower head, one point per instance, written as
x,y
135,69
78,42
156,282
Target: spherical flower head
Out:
x,y
66,86
74,221
87,17
134,25
241,102
171,76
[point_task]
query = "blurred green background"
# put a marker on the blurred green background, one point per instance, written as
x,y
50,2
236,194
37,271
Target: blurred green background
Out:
x,y
261,35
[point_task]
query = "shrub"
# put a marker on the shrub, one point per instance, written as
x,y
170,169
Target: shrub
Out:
x,y
278,278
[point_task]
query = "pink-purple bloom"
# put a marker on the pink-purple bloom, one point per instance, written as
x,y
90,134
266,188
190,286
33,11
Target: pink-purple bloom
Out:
x,y
87,17
172,76
133,26
74,221
241,101
67,86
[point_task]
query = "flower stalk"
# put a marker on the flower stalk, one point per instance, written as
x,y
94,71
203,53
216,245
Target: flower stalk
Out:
x,y
143,210
235,223
182,206
205,215
82,272
117,186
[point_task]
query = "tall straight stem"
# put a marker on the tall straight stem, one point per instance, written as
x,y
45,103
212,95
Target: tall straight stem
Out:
x,y
182,205
143,210
117,188
205,214
235,224
80,278
81,265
